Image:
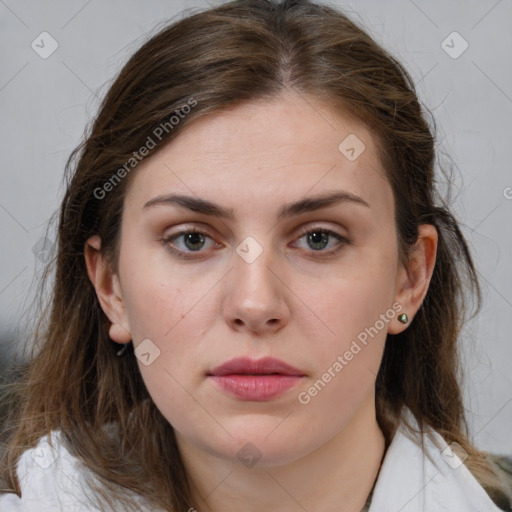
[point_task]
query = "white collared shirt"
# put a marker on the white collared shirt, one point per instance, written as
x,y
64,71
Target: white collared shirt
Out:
x,y
409,481
51,479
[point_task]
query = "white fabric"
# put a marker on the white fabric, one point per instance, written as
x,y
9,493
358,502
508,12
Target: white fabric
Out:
x,y
52,480
409,481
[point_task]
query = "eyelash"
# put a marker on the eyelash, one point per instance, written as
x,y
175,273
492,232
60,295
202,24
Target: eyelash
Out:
x,y
316,229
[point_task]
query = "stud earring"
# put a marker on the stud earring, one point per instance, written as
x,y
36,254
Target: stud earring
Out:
x,y
403,318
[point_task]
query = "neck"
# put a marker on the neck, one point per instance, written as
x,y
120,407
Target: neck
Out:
x,y
337,476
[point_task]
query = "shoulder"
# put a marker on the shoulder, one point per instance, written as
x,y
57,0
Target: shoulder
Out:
x,y
424,473
50,479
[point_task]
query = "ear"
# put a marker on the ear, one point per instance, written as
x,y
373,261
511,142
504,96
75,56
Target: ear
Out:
x,y
108,290
413,277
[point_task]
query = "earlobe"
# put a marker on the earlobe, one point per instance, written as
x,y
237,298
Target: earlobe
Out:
x,y
108,290
413,279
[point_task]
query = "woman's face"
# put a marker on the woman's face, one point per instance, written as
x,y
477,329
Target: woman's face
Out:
x,y
280,275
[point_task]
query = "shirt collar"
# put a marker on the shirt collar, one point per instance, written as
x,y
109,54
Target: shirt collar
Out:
x,y
410,481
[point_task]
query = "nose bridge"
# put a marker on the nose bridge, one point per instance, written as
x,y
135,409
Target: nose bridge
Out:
x,y
255,298
252,269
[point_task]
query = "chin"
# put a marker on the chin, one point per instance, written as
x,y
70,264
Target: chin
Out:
x,y
262,448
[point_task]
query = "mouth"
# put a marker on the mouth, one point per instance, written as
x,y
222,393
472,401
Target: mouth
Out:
x,y
255,380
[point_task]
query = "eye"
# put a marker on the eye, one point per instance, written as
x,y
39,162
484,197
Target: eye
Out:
x,y
318,239
193,240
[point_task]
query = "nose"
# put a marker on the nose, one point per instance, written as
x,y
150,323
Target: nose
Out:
x,y
256,298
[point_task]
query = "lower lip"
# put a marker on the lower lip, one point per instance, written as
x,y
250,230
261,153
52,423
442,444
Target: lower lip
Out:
x,y
257,388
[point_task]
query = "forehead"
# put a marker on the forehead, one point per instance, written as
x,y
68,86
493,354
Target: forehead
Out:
x,y
266,150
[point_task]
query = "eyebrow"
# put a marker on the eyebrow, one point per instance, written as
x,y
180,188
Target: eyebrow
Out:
x,y
206,207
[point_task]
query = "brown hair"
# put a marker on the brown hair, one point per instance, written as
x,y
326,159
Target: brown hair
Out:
x,y
235,53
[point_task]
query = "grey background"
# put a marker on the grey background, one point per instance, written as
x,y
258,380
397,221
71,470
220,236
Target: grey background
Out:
x,y
45,104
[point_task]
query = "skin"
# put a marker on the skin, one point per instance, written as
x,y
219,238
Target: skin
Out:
x,y
290,303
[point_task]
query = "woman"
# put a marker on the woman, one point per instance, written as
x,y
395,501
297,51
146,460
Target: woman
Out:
x,y
258,290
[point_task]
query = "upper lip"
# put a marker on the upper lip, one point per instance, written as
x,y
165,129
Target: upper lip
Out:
x,y
246,365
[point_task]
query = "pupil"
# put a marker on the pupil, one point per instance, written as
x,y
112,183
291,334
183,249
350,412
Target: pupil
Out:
x,y
318,237
193,238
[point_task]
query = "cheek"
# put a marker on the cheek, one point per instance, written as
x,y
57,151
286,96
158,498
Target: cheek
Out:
x,y
356,311
160,311
173,311
153,307
158,296
350,300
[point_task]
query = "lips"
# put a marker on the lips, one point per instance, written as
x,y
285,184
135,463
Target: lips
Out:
x,y
255,380
247,366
